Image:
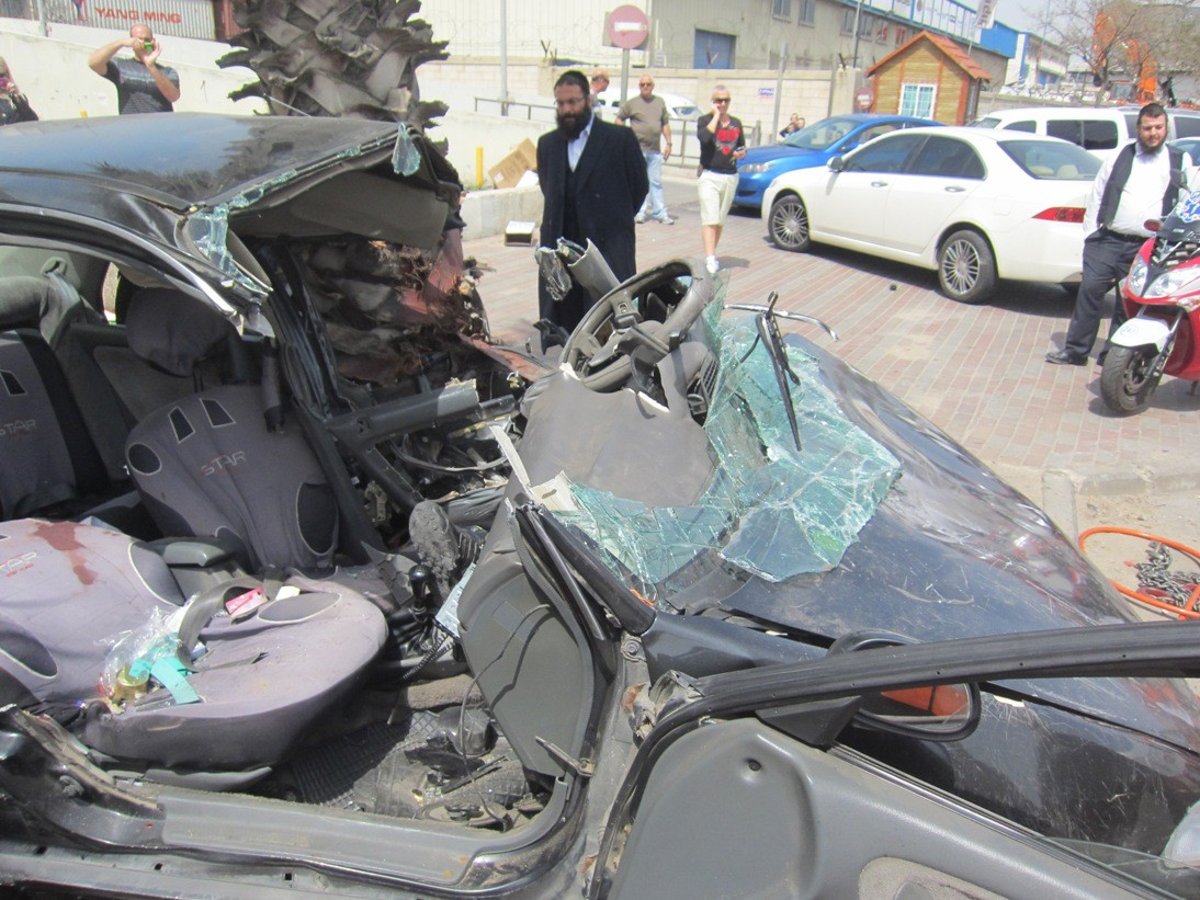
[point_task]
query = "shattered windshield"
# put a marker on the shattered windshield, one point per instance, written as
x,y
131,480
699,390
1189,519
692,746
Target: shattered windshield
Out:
x,y
769,509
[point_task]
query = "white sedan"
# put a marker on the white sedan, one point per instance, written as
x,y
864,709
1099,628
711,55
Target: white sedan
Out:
x,y
975,205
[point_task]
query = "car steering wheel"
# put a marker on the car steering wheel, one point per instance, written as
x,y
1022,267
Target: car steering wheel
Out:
x,y
607,365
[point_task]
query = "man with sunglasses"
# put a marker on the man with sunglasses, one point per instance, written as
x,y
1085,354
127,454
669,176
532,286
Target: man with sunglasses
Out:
x,y
722,144
143,85
647,115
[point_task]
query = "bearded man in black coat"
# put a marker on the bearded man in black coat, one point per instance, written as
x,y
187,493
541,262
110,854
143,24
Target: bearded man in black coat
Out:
x,y
593,181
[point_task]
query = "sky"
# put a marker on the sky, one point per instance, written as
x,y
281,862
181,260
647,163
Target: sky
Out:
x,y
1021,14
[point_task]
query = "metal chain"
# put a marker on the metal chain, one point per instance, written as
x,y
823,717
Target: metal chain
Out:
x,y
1155,576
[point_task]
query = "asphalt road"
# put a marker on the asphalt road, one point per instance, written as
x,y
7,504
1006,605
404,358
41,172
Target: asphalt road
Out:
x,y
976,371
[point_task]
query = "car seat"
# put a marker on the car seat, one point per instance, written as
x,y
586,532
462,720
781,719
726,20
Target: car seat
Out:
x,y
211,463
71,590
48,458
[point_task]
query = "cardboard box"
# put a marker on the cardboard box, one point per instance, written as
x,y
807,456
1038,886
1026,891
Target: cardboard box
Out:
x,y
509,170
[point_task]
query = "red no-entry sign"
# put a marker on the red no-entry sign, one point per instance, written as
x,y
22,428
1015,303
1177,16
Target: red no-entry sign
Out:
x,y
628,27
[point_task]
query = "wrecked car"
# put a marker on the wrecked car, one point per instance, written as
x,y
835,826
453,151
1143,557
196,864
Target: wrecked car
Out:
x,y
308,586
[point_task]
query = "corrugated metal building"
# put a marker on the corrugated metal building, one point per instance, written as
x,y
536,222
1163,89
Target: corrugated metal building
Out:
x,y
179,18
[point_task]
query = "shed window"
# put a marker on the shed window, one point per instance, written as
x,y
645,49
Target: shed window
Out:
x,y
781,9
917,100
808,12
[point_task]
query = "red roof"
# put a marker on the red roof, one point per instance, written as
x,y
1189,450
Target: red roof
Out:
x,y
952,50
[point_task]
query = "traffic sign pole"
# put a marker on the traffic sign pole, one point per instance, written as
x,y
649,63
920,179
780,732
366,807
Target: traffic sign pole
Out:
x,y
628,29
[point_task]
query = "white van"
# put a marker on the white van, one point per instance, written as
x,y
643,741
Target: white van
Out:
x,y
1101,130
678,107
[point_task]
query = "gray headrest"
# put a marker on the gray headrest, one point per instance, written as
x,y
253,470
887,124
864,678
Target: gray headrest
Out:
x,y
173,331
21,298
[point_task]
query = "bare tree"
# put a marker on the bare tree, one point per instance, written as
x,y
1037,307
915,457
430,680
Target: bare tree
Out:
x,y
1143,43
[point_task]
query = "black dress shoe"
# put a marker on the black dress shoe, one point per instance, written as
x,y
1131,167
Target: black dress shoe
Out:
x,y
1066,358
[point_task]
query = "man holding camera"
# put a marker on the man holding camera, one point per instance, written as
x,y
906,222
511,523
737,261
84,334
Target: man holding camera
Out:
x,y
143,86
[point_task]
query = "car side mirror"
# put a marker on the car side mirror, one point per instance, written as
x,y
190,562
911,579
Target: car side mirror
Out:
x,y
937,712
836,164
941,712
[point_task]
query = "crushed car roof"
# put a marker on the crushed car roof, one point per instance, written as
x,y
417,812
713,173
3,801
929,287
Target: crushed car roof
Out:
x,y
174,159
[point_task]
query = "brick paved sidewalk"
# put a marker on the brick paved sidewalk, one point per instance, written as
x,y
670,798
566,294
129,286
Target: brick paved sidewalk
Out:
x,y
977,372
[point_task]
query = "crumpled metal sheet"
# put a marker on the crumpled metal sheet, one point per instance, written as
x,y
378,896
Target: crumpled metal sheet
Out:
x,y
336,57
388,308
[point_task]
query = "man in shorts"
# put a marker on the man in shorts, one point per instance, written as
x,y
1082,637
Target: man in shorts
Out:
x,y
722,144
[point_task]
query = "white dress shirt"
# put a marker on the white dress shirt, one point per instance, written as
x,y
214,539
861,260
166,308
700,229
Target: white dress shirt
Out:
x,y
1141,198
575,147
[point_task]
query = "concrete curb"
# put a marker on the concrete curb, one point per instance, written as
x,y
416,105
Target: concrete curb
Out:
x,y
1062,489
488,212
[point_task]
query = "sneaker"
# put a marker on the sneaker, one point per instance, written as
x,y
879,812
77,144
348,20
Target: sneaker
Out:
x,y
666,220
639,219
712,265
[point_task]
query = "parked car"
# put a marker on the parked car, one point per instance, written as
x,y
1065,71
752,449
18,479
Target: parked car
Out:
x,y
1190,146
1101,130
1181,122
678,106
358,609
974,205
813,145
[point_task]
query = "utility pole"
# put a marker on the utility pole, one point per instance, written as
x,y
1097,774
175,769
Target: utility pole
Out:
x,y
857,16
504,57
783,61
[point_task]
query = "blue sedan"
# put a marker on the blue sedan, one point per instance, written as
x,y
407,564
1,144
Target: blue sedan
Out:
x,y
811,146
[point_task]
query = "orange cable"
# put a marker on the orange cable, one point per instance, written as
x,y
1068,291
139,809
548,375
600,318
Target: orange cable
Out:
x,y
1189,610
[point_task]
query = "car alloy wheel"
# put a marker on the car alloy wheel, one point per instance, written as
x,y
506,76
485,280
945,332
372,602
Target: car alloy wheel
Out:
x,y
966,268
788,223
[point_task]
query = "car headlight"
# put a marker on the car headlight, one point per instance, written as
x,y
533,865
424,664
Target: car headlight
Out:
x,y
757,168
1136,282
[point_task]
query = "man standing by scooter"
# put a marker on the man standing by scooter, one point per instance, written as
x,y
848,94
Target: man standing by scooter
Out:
x,y
1142,181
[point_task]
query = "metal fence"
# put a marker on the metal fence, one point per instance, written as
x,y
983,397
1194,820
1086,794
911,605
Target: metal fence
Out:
x,y
178,18
685,150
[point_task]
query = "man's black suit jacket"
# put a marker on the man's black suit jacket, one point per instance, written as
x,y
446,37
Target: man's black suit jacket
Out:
x,y
609,184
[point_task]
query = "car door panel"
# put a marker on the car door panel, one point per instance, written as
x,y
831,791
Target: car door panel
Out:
x,y
940,179
855,198
787,820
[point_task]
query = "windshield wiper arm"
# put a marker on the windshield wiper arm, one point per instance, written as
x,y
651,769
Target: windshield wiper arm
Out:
x,y
772,340
768,332
784,314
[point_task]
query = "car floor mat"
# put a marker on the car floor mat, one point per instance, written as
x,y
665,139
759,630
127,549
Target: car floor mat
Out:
x,y
407,769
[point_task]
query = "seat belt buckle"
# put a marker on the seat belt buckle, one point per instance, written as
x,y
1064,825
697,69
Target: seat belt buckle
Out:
x,y
243,605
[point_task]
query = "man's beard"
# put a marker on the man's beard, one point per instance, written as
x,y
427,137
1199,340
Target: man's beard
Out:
x,y
572,125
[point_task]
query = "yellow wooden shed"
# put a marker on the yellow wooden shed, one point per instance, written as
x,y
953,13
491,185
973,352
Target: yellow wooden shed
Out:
x,y
930,76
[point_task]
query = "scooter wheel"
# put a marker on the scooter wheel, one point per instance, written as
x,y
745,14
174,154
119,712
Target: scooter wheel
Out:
x,y
1125,381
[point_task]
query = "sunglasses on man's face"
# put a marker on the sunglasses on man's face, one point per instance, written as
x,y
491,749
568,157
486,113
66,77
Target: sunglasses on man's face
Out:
x,y
720,99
